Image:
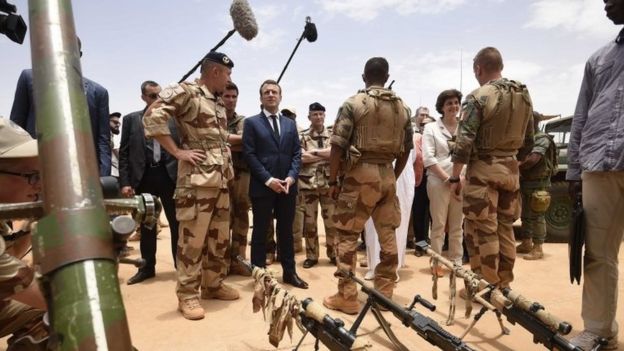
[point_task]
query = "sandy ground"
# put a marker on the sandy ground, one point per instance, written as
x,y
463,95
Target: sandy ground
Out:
x,y
155,323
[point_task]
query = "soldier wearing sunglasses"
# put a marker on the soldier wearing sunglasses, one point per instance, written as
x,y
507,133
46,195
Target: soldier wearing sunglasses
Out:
x,y
21,303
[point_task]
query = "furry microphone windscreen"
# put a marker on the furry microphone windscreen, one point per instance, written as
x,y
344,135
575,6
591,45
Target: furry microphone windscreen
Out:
x,y
243,19
309,32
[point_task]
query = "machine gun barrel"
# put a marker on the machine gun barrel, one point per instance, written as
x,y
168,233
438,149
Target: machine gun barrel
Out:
x,y
426,327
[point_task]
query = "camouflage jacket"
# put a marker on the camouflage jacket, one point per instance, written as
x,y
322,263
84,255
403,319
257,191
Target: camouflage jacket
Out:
x,y
15,275
547,165
235,126
496,120
201,122
314,175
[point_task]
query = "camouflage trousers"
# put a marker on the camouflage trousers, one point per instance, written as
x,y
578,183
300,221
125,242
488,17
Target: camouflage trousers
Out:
x,y
204,218
491,205
311,200
533,223
368,190
297,229
19,319
239,214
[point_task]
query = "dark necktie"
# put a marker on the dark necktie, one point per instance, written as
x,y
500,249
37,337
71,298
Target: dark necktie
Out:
x,y
275,129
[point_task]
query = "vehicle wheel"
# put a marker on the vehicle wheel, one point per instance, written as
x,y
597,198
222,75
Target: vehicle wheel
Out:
x,y
559,214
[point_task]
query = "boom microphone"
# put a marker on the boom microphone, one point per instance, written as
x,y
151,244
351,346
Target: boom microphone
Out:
x,y
310,33
243,19
244,23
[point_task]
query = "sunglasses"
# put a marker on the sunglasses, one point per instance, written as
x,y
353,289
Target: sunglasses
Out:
x,y
32,177
152,96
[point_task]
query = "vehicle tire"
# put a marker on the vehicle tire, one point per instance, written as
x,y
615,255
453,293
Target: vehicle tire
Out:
x,y
559,214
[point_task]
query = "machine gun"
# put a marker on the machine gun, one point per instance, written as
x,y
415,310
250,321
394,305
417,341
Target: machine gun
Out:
x,y
532,316
426,327
312,317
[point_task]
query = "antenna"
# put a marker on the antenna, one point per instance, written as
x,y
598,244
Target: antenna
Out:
x,y
461,68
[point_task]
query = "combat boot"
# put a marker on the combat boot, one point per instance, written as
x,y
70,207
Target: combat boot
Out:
x,y
339,303
237,268
535,254
525,247
223,292
191,309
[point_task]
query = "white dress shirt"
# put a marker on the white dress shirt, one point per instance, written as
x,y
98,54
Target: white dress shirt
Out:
x,y
268,115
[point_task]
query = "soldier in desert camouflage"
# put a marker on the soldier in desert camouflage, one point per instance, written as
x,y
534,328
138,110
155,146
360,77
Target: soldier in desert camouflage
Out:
x,y
495,130
239,186
202,198
375,124
313,186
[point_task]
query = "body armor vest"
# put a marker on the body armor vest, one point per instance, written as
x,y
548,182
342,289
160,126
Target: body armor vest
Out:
x,y
507,110
380,119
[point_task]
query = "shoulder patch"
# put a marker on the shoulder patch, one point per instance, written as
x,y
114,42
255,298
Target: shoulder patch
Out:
x,y
171,91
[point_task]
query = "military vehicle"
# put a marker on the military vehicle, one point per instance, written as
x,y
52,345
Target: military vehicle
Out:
x,y
559,213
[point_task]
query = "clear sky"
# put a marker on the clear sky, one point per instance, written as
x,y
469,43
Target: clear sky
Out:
x,y
544,43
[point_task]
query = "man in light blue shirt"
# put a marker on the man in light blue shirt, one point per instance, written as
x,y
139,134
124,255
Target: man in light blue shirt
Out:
x,y
596,167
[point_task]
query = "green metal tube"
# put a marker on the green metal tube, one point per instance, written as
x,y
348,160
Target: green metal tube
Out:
x,y
73,242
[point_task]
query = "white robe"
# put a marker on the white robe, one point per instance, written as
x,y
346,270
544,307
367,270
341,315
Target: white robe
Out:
x,y
405,192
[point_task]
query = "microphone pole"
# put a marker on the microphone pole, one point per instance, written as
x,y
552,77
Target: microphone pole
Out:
x,y
305,34
227,36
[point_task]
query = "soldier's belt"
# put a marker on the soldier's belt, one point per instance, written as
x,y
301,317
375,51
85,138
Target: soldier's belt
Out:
x,y
496,156
204,145
387,164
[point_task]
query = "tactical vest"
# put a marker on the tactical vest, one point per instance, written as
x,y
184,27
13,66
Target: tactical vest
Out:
x,y
506,110
547,165
380,118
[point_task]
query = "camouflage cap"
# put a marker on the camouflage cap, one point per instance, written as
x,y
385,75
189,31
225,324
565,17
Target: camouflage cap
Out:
x,y
220,58
15,142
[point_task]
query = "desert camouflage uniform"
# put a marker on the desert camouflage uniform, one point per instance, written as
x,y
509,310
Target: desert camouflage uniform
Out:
x,y
239,194
537,178
313,188
496,121
16,318
375,122
201,197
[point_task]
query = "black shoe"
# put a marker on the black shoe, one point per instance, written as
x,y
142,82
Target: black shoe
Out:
x,y
308,263
294,280
410,245
140,276
332,260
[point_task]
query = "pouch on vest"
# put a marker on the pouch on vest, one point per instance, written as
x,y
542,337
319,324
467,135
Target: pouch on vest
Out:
x,y
540,200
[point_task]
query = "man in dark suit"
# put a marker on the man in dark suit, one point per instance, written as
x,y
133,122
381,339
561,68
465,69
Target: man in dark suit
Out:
x,y
146,167
23,114
273,152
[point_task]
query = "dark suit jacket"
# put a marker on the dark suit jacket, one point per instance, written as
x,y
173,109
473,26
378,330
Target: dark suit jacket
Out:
x,y
132,148
23,114
268,157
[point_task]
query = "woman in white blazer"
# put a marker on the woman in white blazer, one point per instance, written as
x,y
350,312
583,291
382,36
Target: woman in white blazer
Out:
x,y
445,207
